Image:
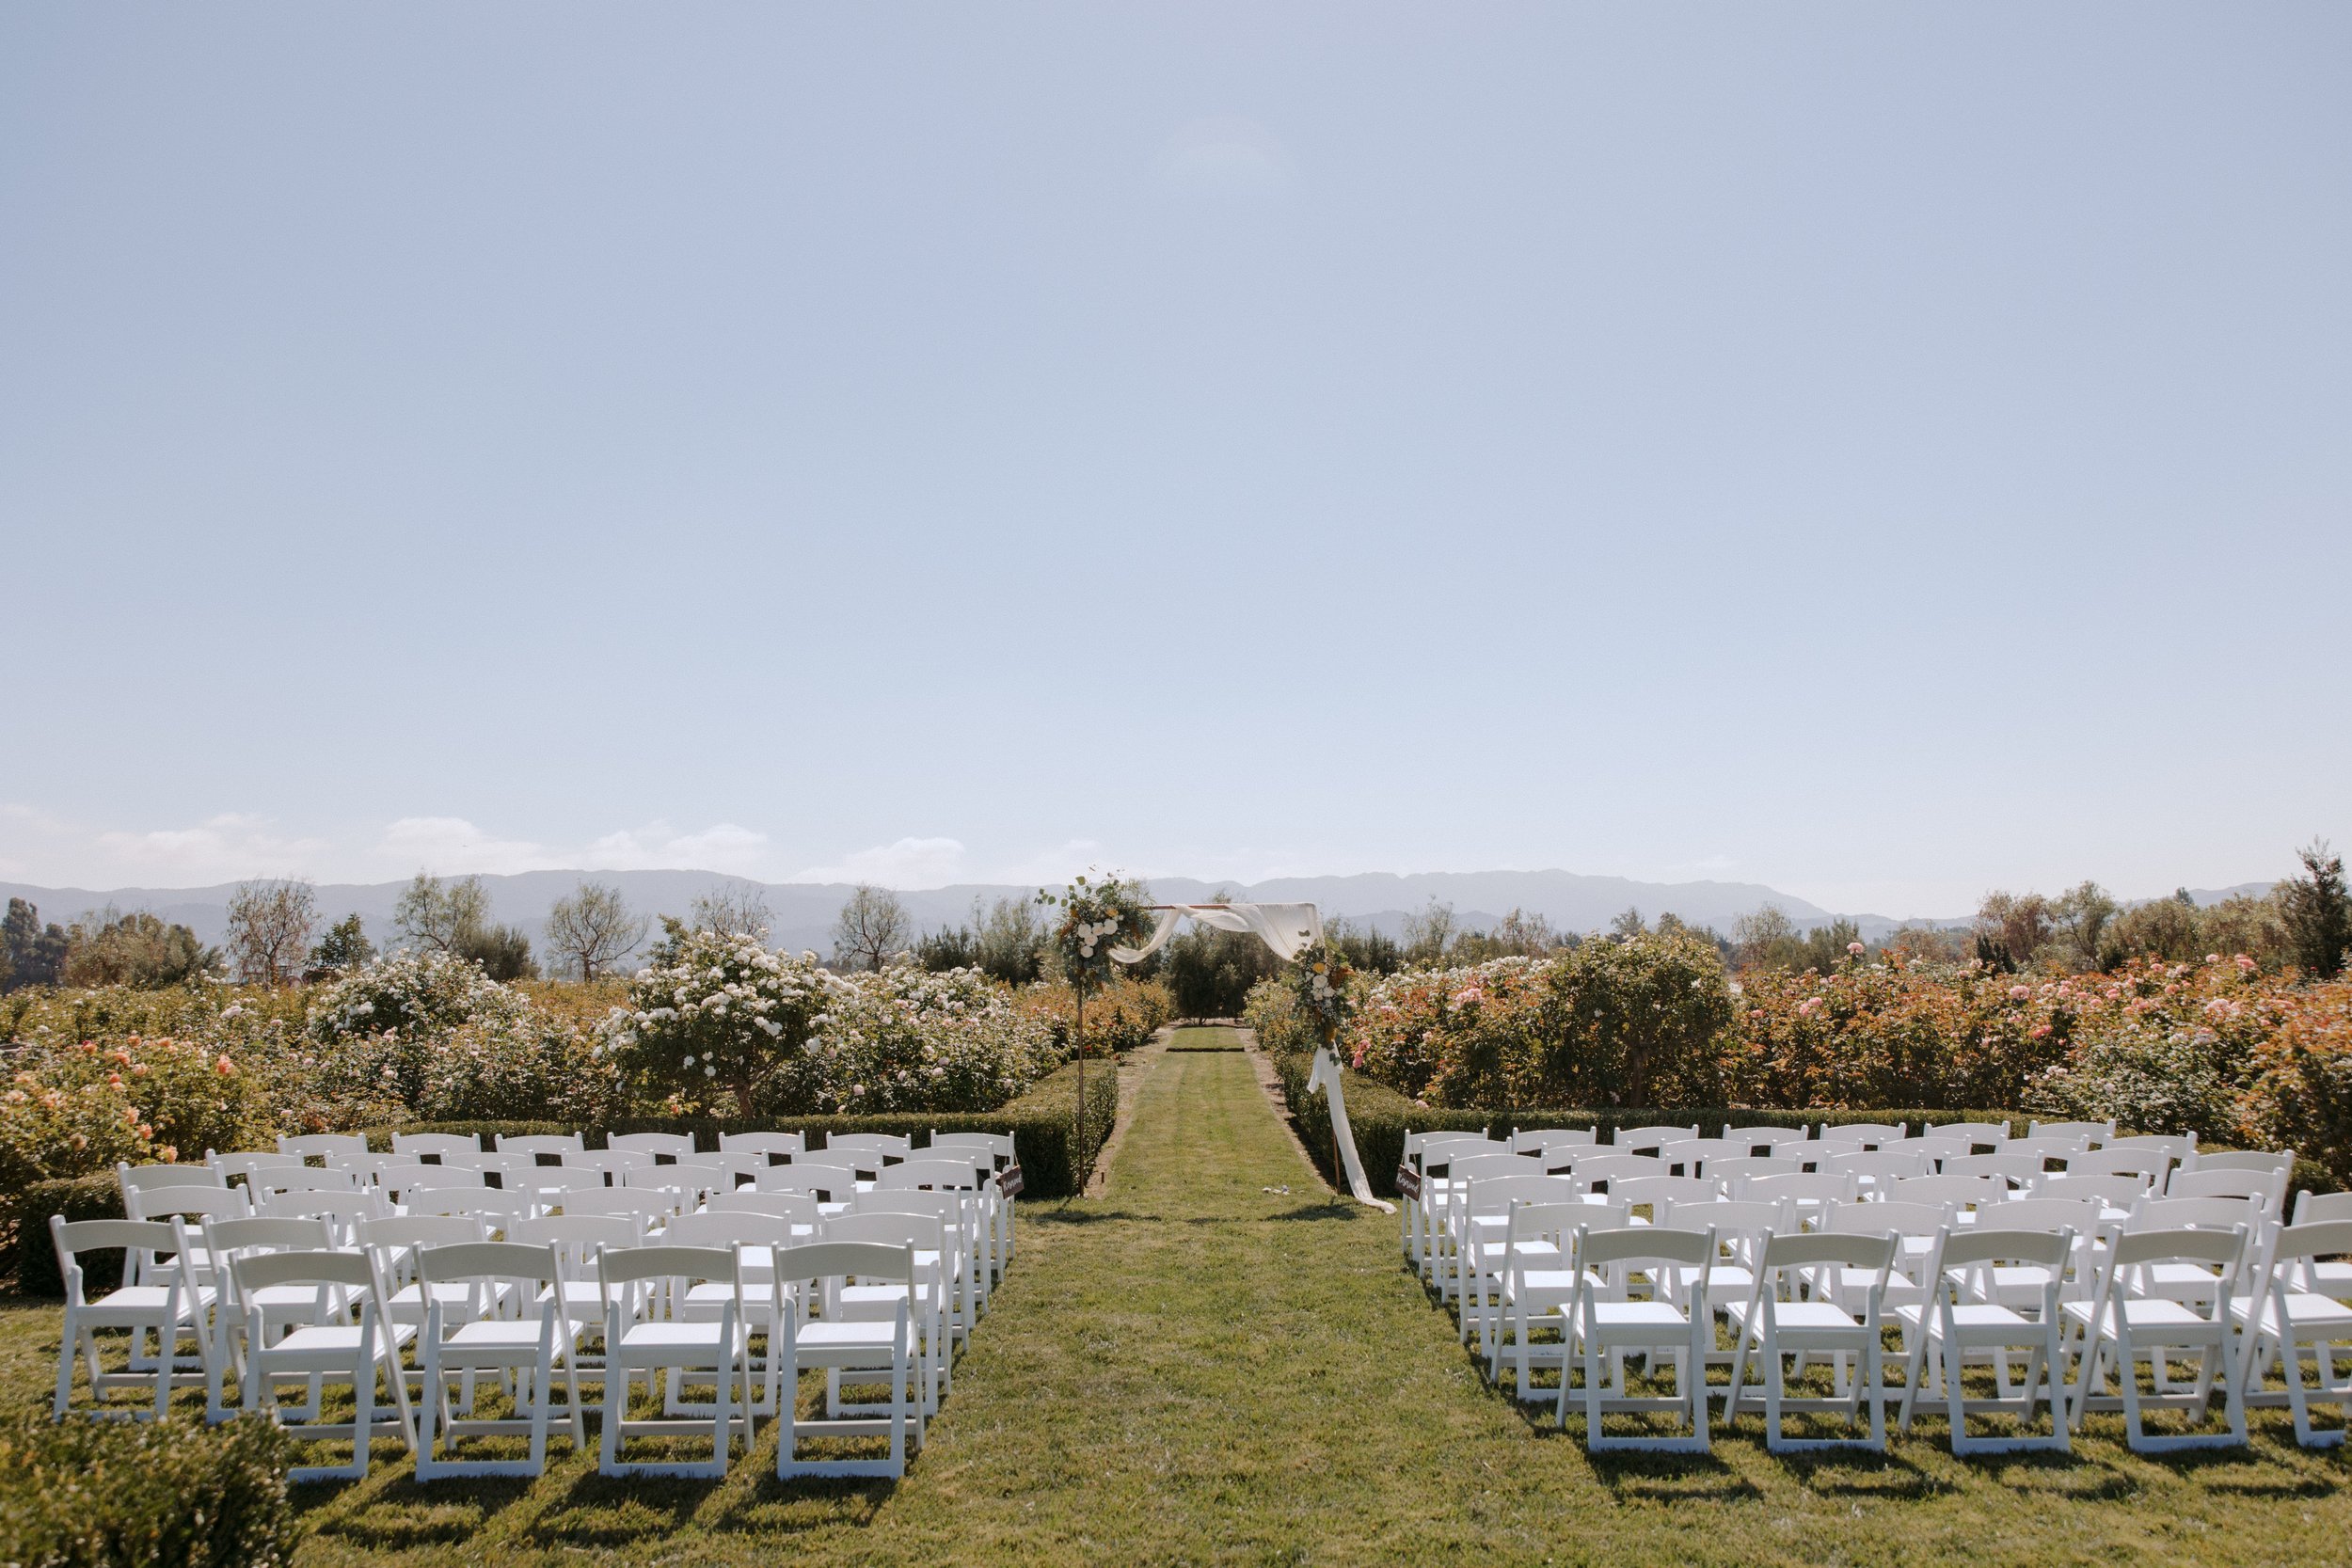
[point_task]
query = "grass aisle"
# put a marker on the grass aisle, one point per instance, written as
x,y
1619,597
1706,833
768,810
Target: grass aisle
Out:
x,y
1194,1370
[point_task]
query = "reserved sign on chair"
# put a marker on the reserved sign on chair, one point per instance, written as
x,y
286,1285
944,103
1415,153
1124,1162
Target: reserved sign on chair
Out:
x,y
1408,1182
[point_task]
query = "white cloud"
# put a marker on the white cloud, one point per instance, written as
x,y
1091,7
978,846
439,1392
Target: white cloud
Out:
x,y
909,862
451,845
657,845
41,845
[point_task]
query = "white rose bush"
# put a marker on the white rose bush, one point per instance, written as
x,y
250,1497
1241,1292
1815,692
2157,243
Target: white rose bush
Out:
x,y
909,1039
723,1015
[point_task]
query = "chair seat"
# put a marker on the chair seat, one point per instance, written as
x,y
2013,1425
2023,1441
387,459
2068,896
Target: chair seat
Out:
x,y
2144,1314
1800,1316
496,1334
882,1297
2304,1311
1966,1316
1638,1314
834,1334
146,1300
671,1335
331,1339
1722,1276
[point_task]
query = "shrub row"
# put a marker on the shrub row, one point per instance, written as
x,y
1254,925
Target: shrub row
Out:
x,y
169,1494
1054,1163
1380,1118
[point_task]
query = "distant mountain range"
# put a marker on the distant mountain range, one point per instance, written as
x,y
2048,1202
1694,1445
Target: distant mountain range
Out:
x,y
803,912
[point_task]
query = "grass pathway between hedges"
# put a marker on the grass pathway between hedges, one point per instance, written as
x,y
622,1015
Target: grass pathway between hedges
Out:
x,y
1191,1368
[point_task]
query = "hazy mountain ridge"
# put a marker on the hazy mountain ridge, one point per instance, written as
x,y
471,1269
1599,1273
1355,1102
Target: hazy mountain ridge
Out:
x,y
803,912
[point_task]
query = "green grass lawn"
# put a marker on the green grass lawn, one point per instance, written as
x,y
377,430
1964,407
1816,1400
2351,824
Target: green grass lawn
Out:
x,y
1192,1368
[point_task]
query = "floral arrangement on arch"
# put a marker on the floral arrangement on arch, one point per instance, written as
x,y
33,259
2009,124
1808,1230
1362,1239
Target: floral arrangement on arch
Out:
x,y
1321,990
1095,917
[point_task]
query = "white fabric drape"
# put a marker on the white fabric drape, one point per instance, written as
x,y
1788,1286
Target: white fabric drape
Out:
x,y
1326,1078
1289,929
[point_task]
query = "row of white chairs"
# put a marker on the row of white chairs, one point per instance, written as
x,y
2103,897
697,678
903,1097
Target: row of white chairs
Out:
x,y
416,1278
1473,1223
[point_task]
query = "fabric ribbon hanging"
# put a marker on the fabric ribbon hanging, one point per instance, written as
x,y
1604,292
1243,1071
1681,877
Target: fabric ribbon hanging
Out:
x,y
1288,930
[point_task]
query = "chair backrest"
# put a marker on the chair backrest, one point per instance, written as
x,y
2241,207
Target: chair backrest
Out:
x,y
950,1175
1939,1150
299,1178
1996,1244
230,1167
488,1261
2047,1146
952,1209
259,1270
831,1259
726,1231
431,1178
1493,1195
673,1144
1537,1140
639,1206
319,1146
2222,1248
576,1239
604,1158
2012,1167
837,1183
628,1265
2120,1191
788,1144
374,1167
139,1179
1657,1190
1893,1217
2172,1146
343,1211
501,1165
922,1232
437,1145
2080,1215
499,1210
799,1207
868,1143
1870,1135
1741,1165
139,1240
1736,1225
265,1233
539,1143
161,1203
553,1183
1605,1167
2147,1164
1687,1156
2201,1213
1639,1244
1480,1166
2312,1238
1877,1164
1649,1140
2322,1208
1851,1249
1961,1191
1991,1132
1756,1139
999,1145
1819,1186
2268,1186
395,1241
2280,1161
2096,1131
1439,1150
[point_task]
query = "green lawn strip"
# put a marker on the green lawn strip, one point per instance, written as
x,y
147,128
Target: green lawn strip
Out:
x,y
1191,1368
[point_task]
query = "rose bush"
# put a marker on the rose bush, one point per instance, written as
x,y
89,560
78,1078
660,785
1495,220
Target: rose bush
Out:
x,y
722,1014
907,1039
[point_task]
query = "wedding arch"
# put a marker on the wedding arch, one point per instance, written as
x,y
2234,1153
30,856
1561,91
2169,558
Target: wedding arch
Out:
x,y
1288,931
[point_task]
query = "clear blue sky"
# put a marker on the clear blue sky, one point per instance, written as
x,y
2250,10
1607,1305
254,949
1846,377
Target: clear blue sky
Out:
x,y
1887,451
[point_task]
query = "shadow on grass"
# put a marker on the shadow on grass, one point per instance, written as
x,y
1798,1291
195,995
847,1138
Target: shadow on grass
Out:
x,y
1669,1476
407,1513
1071,1216
611,1511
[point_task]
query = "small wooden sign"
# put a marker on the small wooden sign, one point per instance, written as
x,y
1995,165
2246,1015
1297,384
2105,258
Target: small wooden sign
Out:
x,y
1009,1181
1408,1182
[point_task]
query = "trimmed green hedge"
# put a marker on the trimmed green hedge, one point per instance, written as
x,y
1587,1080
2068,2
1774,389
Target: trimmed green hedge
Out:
x,y
1380,1118
1053,1162
144,1494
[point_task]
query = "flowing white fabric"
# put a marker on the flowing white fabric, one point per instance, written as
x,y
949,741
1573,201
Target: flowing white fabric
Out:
x,y
1289,929
1326,1078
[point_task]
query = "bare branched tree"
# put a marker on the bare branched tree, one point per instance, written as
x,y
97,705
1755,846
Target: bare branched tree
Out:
x,y
270,927
593,929
872,928
733,909
445,917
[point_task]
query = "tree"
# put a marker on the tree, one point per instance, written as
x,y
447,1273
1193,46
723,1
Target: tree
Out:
x,y
1428,934
107,947
1365,951
2318,913
36,954
1628,924
593,929
502,951
872,928
1767,939
732,910
441,915
2012,928
269,929
346,946
2078,921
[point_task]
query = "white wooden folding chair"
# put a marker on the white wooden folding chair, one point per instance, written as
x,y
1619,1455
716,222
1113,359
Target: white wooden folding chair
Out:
x,y
475,1326
778,1147
644,1333
1476,1220
1649,1140
1864,1135
2089,1131
2286,1317
241,1164
332,1349
2116,1328
863,1350
322,1146
962,1272
755,1238
830,1183
1537,1284
277,1308
678,1146
1985,1135
536,1143
1776,1319
2325,1275
1620,1307
1959,1322
1421,1215
431,1147
877,1299
1763,1140
156,1297
2212,1179
867,1152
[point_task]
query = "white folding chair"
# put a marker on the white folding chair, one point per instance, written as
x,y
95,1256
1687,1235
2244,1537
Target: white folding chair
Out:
x,y
392,1244
2267,1187
1478,1221
277,1310
2327,1277
964,1273
866,1152
2286,1317
1805,1194
240,1165
322,1146
831,1183
774,1147
2116,1328
342,1212
860,1351
644,1289
676,1145
429,1146
479,1337
1649,1140
332,1348
2017,1169
1763,1140
1607,1319
1864,1135
875,1300
536,1143
1422,1215
156,1297
754,1239
1958,1321
1538,1283
1776,1319
1986,1135
2092,1132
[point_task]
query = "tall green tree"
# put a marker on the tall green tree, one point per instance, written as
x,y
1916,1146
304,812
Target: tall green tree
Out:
x,y
2318,913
